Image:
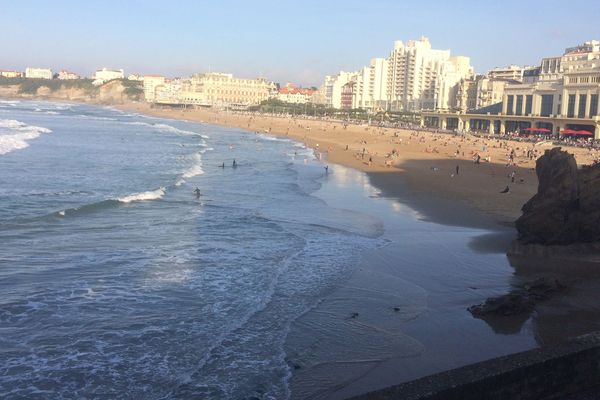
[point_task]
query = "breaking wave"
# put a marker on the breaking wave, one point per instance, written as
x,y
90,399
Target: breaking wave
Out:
x,y
15,135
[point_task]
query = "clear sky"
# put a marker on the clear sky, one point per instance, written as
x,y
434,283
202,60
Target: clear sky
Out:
x,y
297,41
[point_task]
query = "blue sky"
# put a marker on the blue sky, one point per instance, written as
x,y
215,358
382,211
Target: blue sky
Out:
x,y
297,41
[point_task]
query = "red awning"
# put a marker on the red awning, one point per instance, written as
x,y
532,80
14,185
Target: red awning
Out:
x,y
582,132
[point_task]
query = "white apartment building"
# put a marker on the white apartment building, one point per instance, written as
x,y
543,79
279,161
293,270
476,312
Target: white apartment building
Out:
x,y
38,73
66,75
104,75
151,82
370,90
420,77
510,73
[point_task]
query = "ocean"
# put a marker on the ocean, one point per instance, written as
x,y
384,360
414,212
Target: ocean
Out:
x,y
117,280
280,280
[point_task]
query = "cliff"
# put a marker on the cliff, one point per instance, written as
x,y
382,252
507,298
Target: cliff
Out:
x,y
112,92
566,208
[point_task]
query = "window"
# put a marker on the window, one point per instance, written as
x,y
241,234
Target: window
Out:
x,y
571,106
582,104
528,104
593,105
509,104
546,107
519,110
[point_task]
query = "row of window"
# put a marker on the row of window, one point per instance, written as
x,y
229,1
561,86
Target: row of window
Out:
x,y
583,79
514,105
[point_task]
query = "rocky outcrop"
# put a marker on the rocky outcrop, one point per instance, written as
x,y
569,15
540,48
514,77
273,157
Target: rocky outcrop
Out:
x,y
566,208
520,300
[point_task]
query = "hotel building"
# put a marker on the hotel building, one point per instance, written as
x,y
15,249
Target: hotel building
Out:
x,y
219,89
561,94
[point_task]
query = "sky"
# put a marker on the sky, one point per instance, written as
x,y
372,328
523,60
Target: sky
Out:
x,y
297,41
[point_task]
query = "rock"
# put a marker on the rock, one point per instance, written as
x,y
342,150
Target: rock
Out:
x,y
508,304
521,300
566,208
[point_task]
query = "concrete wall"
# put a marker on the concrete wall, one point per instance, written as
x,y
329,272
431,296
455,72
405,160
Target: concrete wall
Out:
x,y
548,373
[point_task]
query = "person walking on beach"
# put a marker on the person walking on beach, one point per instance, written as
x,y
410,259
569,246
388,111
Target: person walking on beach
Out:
x,y
326,169
457,169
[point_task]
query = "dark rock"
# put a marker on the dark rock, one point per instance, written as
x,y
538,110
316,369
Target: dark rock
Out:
x,y
521,300
566,208
508,304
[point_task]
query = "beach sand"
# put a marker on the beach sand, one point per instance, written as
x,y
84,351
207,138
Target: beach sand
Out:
x,y
425,162
431,296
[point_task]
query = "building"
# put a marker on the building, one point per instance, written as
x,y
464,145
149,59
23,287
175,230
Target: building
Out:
x,y
10,73
104,75
370,90
331,89
420,77
38,73
66,75
414,77
220,89
169,92
151,82
294,95
561,94
135,77
510,73
347,95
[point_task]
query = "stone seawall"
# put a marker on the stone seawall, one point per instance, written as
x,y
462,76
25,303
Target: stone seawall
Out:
x,y
548,373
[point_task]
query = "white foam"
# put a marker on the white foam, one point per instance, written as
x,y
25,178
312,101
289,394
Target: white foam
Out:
x,y
195,169
142,196
14,135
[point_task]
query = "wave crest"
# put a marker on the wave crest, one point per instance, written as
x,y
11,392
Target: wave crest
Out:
x,y
149,195
14,135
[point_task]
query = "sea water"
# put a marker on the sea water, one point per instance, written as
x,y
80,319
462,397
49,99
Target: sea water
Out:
x,y
117,281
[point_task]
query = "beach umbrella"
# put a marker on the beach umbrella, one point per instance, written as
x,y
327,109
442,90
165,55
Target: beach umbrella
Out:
x,y
530,129
583,132
568,132
543,130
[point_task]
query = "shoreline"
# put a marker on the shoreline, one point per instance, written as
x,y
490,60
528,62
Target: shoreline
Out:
x,y
424,163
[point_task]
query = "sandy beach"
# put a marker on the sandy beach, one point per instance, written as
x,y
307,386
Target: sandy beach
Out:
x,y
430,164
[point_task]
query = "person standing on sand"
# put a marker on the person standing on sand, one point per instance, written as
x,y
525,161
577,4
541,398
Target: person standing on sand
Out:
x,y
456,169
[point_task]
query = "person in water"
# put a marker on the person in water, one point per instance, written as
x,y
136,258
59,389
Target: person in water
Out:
x,y
234,164
197,192
223,165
